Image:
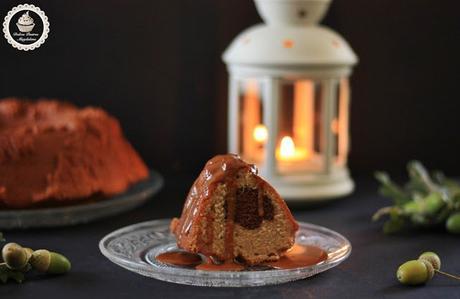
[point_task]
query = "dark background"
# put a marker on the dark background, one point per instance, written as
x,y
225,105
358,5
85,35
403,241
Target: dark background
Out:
x,y
156,66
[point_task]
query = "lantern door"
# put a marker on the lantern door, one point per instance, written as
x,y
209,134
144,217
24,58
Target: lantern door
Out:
x,y
290,127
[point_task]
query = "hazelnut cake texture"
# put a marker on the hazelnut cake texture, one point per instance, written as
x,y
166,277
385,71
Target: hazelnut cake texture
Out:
x,y
232,214
52,151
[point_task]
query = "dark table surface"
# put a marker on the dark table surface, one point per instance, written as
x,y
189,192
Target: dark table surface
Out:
x,y
368,273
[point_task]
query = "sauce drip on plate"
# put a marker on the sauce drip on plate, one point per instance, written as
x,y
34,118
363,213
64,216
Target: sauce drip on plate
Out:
x,y
298,256
179,258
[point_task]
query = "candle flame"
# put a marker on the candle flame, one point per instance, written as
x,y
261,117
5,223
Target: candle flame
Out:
x,y
287,148
260,133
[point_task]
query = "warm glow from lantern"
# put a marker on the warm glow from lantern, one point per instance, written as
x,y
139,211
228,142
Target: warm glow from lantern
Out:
x,y
287,148
260,134
335,126
251,118
343,121
304,92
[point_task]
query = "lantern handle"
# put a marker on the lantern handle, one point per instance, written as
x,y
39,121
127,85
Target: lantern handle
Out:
x,y
292,12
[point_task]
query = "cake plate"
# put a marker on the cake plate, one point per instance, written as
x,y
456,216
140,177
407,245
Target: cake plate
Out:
x,y
83,212
135,248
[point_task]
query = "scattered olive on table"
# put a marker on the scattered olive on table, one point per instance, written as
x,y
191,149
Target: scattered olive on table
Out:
x,y
453,223
414,272
18,260
432,258
422,270
49,262
15,256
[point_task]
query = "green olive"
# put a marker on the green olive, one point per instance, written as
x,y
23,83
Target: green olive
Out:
x,y
433,203
413,272
412,207
29,252
59,264
40,260
429,268
453,223
50,262
432,258
14,256
429,205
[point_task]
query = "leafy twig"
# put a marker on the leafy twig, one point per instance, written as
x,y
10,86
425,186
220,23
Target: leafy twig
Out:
x,y
423,201
419,176
391,189
7,273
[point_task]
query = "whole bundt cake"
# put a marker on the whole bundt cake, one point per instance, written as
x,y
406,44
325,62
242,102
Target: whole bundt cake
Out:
x,y
53,151
231,214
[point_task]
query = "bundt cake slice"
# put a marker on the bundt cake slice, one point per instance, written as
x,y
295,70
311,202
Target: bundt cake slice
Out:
x,y
231,214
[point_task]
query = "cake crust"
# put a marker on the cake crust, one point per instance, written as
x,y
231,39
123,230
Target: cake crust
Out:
x,y
53,151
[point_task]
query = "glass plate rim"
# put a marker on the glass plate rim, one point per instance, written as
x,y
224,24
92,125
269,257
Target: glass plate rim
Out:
x,y
129,199
148,268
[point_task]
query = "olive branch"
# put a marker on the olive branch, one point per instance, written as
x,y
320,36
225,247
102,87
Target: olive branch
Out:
x,y
424,201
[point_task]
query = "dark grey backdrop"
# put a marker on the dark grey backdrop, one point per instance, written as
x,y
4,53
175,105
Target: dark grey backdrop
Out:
x,y
156,66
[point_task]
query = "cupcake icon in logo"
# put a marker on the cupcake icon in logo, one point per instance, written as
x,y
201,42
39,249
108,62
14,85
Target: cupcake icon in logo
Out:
x,y
26,27
25,23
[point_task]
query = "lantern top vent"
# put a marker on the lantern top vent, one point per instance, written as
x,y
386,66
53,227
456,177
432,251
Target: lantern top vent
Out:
x,y
290,36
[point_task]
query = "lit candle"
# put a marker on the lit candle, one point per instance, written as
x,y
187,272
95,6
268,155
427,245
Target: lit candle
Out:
x,y
287,148
288,151
259,137
260,134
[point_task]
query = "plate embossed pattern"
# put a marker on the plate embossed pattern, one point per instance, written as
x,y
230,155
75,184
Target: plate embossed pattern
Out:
x,y
136,246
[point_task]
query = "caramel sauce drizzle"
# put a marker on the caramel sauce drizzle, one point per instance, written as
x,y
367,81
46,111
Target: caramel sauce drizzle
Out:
x,y
180,258
297,257
215,171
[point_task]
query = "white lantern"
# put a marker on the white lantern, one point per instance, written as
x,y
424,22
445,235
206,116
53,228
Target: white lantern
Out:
x,y
289,100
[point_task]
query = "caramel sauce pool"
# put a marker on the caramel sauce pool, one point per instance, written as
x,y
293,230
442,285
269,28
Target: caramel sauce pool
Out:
x,y
179,258
296,257
300,256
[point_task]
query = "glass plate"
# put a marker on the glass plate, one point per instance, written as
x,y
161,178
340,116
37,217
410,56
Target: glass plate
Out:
x,y
136,246
84,212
